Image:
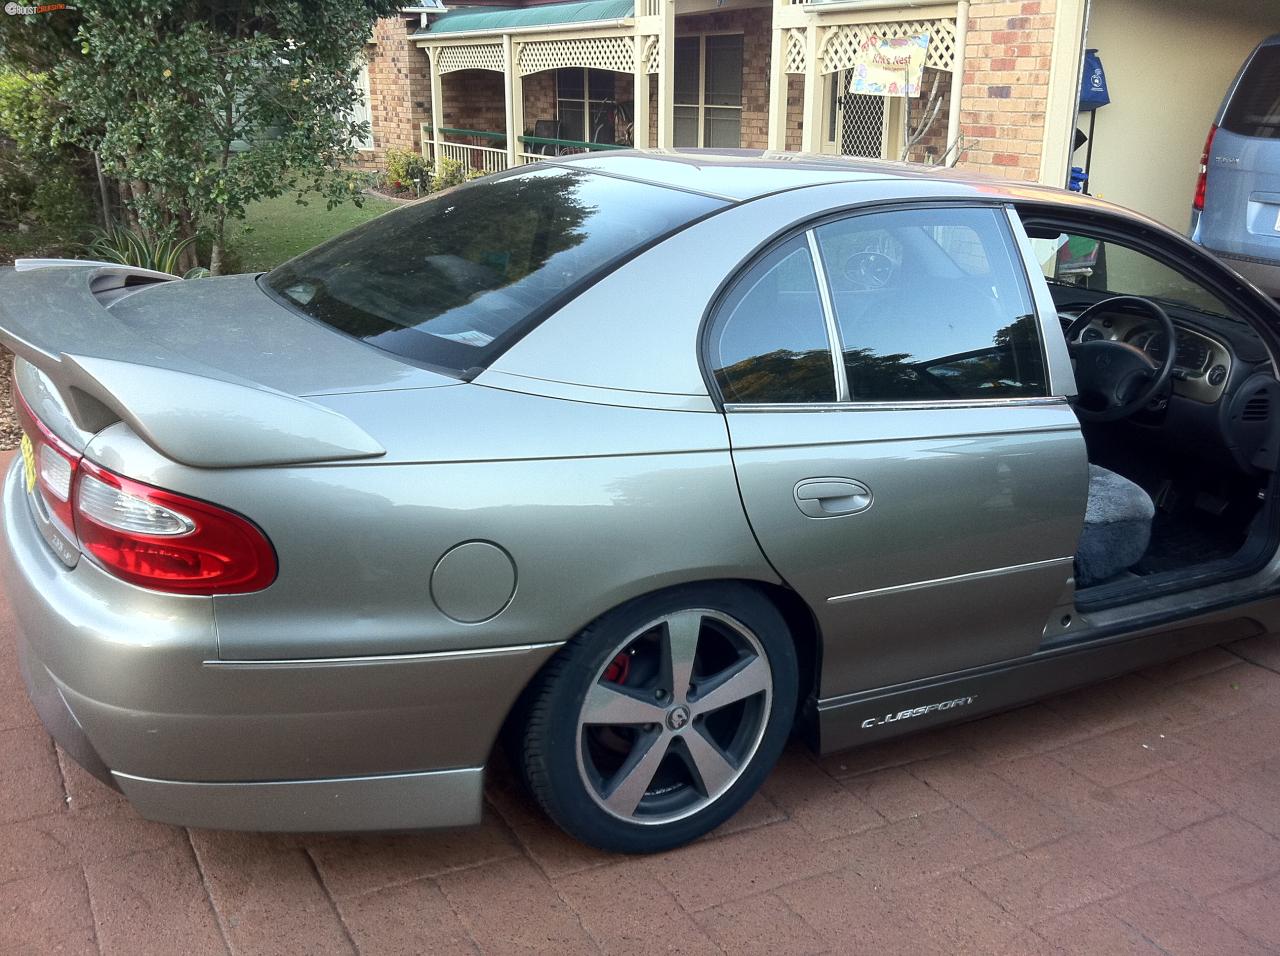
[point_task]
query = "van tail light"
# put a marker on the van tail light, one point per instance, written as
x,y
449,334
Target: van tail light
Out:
x,y
145,535
165,541
1198,203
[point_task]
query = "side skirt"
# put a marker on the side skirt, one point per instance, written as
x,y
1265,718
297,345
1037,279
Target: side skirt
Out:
x,y
883,713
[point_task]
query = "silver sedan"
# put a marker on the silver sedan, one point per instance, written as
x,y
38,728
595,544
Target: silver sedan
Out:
x,y
637,462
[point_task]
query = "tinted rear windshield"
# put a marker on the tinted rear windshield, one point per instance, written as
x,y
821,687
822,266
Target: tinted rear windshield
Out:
x,y
454,280
1254,109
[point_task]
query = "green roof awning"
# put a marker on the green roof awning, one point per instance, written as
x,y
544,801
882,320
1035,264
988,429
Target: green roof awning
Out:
x,y
495,20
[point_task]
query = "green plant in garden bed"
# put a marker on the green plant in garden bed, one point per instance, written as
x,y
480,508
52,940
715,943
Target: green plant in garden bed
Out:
x,y
408,170
130,248
450,172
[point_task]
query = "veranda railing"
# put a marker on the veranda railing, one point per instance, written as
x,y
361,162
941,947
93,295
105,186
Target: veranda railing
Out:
x,y
486,151
476,149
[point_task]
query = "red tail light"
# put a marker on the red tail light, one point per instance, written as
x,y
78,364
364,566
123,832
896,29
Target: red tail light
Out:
x,y
1198,203
145,535
168,542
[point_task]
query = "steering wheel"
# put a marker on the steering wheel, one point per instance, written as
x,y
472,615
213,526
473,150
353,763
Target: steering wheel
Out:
x,y
871,270
1116,379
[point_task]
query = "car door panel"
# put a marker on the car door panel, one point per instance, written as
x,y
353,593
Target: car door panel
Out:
x,y
966,545
928,510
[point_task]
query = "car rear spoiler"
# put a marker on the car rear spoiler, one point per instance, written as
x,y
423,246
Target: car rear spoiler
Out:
x,y
54,317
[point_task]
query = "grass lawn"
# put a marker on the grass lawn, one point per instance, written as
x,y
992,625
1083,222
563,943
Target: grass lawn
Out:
x,y
278,229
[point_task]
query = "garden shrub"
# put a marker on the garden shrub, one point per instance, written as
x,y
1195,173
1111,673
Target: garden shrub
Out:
x,y
450,172
41,177
408,170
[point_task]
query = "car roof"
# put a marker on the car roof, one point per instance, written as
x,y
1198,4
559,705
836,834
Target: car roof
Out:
x,y
742,174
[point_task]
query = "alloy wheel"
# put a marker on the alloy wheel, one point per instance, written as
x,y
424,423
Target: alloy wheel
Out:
x,y
674,716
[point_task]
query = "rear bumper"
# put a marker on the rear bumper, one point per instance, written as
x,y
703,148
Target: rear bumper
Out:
x,y
402,801
129,683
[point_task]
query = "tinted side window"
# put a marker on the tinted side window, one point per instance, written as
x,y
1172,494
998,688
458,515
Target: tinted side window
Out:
x,y
932,304
1255,108
769,341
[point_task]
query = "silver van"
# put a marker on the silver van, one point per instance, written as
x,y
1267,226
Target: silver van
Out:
x,y
1236,210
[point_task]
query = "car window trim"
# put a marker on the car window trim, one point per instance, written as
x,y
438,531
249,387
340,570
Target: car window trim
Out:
x,y
835,341
912,406
1059,370
849,212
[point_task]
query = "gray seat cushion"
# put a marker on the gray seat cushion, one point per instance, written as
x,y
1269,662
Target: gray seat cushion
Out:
x,y
1117,527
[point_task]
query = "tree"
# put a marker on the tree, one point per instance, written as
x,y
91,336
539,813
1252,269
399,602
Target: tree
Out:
x,y
196,109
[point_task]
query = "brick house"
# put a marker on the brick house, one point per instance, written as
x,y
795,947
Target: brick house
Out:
x,y
998,79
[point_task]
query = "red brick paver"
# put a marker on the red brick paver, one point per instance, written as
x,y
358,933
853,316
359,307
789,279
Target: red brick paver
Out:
x,y
1138,816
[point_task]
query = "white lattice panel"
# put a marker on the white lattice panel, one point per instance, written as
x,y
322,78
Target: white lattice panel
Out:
x,y
617,53
794,61
841,45
652,52
474,56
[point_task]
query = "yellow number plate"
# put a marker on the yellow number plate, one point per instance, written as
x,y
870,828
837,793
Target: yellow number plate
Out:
x,y
28,462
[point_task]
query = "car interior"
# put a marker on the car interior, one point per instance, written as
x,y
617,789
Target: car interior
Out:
x,y
1178,405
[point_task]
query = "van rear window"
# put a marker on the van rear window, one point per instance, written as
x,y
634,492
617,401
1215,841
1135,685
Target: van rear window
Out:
x,y
1254,109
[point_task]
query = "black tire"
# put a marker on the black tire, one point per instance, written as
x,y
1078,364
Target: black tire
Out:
x,y
560,756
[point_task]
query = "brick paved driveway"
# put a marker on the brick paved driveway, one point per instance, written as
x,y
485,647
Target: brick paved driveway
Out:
x,y
1139,816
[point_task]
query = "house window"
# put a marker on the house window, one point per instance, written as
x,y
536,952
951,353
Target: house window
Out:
x,y
584,101
361,111
708,90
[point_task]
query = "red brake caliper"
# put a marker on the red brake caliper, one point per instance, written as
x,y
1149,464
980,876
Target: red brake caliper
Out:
x,y
618,669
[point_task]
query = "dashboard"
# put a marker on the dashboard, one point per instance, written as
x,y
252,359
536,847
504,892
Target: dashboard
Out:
x,y
1202,363
1223,396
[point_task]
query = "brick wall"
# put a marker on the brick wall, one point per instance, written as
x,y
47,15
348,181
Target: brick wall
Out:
x,y
539,98
399,90
653,109
474,99
795,111
1006,86
933,144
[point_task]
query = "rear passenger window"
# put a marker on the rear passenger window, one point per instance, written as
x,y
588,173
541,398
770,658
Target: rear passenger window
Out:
x,y
768,343
932,304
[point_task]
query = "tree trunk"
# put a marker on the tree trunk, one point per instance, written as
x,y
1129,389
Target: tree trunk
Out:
x,y
127,216
189,258
102,191
219,234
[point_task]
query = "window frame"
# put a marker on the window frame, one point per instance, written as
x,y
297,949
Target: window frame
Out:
x,y
1008,221
363,105
1191,261
702,105
586,101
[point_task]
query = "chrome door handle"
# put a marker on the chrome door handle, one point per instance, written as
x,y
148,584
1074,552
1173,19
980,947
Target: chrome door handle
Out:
x,y
832,497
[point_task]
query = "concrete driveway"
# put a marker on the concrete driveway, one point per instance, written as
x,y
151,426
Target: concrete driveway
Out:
x,y
1138,816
